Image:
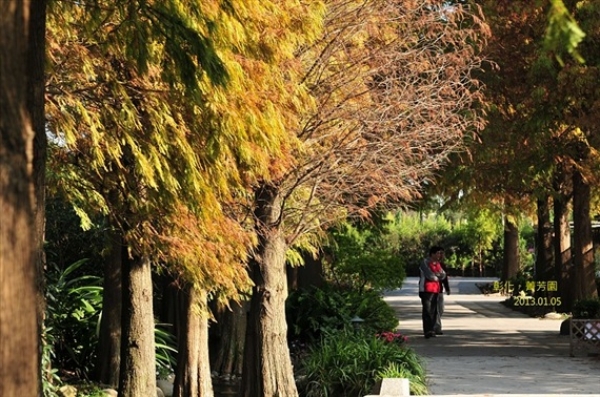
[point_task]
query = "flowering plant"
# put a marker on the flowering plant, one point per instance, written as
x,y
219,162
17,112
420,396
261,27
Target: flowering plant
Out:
x,y
393,337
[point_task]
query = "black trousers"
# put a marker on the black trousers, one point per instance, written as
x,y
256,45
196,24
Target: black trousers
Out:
x,y
429,301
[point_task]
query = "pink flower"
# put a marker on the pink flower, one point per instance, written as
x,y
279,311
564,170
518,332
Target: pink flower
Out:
x,y
393,337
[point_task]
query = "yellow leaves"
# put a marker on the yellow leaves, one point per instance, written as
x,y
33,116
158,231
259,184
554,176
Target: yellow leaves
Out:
x,y
159,161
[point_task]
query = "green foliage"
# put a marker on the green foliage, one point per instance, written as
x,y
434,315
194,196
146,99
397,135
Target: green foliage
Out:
x,y
467,239
348,364
411,234
67,242
563,34
51,381
74,303
70,333
587,308
363,258
417,383
314,311
166,350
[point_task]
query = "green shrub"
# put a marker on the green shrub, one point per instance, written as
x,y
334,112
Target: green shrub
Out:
x,y
315,311
166,350
73,307
361,257
71,327
417,383
587,308
347,364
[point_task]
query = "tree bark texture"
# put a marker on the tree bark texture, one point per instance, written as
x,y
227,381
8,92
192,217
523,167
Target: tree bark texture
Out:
x,y
583,246
35,103
544,249
562,252
268,368
229,352
19,359
109,343
511,250
137,376
562,186
193,377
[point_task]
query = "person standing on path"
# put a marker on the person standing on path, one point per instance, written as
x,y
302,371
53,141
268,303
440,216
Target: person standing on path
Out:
x,y
444,286
431,273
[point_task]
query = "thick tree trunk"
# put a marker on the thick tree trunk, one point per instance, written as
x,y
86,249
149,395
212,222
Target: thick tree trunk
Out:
x,y
562,253
267,364
19,356
35,104
562,238
193,377
544,249
583,246
109,344
137,377
511,250
229,352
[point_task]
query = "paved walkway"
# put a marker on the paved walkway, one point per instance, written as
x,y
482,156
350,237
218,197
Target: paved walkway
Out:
x,y
489,349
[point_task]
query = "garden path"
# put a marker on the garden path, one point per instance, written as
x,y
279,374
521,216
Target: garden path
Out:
x,y
489,349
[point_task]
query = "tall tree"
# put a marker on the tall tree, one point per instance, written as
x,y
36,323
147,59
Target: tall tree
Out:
x,y
123,150
393,86
21,108
579,103
164,150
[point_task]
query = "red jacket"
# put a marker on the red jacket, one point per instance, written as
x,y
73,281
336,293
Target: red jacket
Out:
x,y
430,285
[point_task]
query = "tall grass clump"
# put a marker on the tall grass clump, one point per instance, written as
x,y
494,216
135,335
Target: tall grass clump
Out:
x,y
348,364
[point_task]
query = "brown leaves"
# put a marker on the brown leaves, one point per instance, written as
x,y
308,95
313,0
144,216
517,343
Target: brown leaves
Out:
x,y
395,90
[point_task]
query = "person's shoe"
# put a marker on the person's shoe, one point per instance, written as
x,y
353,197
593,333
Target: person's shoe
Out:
x,y
439,333
430,335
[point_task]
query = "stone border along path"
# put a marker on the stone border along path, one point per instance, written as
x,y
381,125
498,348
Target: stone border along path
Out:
x,y
488,349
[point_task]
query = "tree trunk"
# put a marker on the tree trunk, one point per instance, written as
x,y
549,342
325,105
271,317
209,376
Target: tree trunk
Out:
x,y
229,352
137,377
35,104
583,246
267,364
109,343
543,246
511,249
562,252
19,355
193,377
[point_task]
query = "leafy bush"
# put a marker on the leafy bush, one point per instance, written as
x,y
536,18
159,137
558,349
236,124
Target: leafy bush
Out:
x,y
361,258
166,350
71,327
417,383
74,304
587,308
315,311
347,364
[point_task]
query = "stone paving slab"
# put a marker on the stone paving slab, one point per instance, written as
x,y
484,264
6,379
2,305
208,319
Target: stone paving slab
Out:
x,y
488,348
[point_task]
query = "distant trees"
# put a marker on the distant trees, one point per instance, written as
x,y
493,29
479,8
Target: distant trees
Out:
x,y
536,152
